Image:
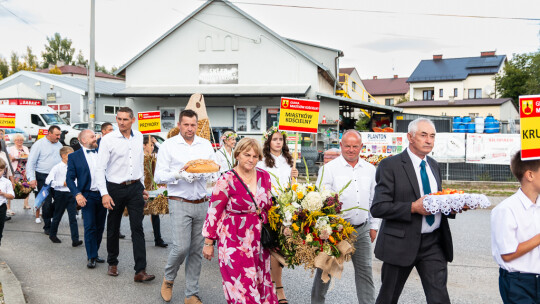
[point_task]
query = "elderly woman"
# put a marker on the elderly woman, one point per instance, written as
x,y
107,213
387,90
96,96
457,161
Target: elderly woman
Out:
x,y
224,156
18,154
233,220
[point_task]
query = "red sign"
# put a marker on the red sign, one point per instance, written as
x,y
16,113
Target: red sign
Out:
x,y
20,102
61,107
7,120
529,112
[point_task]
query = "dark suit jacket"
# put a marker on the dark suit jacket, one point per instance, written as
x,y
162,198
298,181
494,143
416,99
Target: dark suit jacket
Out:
x,y
77,169
400,233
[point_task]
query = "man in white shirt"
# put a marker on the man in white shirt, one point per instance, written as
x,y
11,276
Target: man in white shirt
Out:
x,y
120,180
81,169
515,235
188,204
63,200
349,167
410,237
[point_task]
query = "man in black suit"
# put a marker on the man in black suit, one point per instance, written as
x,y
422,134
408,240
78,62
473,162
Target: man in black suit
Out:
x,y
409,235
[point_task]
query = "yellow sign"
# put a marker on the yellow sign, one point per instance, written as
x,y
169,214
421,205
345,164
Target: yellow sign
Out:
x,y
42,133
7,120
299,115
530,126
149,122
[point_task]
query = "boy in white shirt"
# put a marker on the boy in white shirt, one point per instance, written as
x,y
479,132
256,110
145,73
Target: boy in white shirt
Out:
x,y
515,235
63,199
6,192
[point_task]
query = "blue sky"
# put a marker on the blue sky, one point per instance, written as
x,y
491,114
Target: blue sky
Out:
x,y
380,38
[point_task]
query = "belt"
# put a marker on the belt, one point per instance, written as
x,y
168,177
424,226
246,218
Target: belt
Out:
x,y
518,275
197,201
360,226
129,182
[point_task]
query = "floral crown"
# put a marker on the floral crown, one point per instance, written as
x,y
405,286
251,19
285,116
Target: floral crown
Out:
x,y
271,132
231,135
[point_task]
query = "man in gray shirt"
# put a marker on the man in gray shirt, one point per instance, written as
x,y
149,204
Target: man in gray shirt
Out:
x,y
44,154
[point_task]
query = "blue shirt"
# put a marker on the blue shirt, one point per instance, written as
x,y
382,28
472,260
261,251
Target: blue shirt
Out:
x,y
44,155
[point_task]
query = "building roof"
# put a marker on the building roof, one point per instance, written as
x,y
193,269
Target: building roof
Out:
x,y
456,68
19,90
216,90
347,71
77,70
386,86
457,103
340,52
241,12
77,85
361,104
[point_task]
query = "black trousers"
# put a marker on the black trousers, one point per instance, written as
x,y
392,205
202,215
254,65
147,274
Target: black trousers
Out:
x,y
156,226
129,196
47,210
431,265
3,209
65,201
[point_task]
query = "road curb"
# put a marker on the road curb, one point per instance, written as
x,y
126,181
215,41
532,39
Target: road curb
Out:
x,y
10,285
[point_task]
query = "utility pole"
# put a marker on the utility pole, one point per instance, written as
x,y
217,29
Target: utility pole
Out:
x,y
92,68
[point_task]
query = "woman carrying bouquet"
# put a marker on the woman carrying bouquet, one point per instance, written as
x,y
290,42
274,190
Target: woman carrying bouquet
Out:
x,y
233,219
224,156
277,160
18,154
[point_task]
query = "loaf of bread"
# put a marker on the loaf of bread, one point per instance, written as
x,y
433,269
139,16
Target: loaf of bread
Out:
x,y
202,166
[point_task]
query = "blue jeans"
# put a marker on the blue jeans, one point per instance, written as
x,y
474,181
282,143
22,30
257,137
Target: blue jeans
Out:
x,y
94,215
516,287
65,201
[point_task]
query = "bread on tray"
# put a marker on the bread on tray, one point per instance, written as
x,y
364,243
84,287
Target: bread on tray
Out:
x,y
202,166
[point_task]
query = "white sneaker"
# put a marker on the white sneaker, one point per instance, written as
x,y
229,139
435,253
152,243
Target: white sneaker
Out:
x,y
38,220
10,213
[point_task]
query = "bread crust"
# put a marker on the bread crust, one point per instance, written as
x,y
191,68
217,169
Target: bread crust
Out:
x,y
202,166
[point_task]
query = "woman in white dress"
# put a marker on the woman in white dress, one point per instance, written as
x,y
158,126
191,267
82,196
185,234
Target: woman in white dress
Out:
x,y
278,161
224,156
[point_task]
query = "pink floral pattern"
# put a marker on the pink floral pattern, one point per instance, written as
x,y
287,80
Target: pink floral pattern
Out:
x,y
232,219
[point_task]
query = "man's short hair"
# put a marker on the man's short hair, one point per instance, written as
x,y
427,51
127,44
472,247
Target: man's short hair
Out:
x,y
519,167
126,110
54,127
188,113
413,125
66,150
105,125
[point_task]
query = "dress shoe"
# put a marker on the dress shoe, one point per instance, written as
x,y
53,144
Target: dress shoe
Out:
x,y
76,243
113,270
91,263
142,276
99,260
54,239
122,236
166,290
7,218
194,299
161,243
47,231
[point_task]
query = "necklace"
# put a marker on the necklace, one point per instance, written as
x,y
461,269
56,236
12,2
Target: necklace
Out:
x,y
247,180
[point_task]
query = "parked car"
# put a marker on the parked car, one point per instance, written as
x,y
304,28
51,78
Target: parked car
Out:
x,y
97,126
10,136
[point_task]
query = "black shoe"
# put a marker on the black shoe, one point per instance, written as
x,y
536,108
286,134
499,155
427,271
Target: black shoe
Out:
x,y
47,231
122,236
7,218
99,260
161,243
55,239
76,243
91,263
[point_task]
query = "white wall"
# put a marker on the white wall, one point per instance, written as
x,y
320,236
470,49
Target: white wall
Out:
x,y
325,56
484,82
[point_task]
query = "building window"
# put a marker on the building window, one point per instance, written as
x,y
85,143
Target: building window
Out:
x,y
354,85
455,92
111,110
475,93
441,93
253,119
389,101
428,94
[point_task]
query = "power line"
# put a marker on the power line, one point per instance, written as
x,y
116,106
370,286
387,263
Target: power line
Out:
x,y
387,12
21,19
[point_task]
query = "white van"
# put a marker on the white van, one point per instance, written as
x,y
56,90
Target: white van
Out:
x,y
31,119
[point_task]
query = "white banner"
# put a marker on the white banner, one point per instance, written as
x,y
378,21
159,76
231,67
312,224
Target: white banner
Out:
x,y
383,143
491,148
449,148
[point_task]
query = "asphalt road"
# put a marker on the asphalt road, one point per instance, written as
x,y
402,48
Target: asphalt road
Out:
x,y
57,273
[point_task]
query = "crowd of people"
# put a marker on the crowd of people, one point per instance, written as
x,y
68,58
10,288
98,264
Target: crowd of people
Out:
x,y
106,176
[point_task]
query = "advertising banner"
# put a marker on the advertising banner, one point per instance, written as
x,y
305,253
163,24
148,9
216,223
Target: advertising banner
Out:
x,y
449,148
529,113
7,120
496,149
385,144
149,122
299,115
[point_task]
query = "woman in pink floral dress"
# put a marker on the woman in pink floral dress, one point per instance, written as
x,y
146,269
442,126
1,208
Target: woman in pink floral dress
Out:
x,y
232,219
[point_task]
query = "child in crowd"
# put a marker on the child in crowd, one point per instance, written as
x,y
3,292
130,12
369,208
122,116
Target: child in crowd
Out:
x,y
63,199
515,235
6,192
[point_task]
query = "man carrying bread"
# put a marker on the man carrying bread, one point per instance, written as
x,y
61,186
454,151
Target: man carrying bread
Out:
x,y
188,203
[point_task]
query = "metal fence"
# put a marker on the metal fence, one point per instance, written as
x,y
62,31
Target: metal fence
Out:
x,y
476,172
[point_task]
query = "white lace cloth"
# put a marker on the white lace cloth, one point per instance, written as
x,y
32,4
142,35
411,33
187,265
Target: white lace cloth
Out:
x,y
191,177
454,202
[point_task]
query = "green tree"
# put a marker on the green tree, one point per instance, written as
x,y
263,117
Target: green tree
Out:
x,y
4,68
30,59
80,60
57,49
362,124
521,76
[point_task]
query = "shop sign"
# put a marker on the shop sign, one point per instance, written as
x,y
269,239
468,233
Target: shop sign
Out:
x,y
218,73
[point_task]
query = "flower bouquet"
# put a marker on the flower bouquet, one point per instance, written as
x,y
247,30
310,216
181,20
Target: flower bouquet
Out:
x,y
22,189
312,232
452,200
